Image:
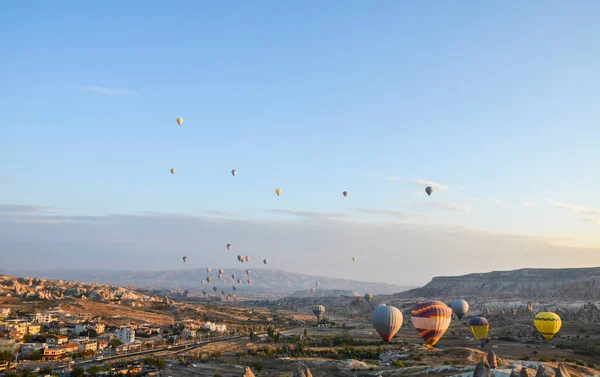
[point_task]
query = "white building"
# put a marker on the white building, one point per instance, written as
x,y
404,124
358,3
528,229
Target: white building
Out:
x,y
214,327
43,317
125,335
4,312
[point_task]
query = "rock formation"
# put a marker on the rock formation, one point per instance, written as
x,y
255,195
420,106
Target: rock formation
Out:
x,y
562,371
492,360
483,369
543,371
302,371
248,373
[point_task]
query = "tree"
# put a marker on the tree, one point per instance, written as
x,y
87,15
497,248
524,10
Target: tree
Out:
x,y
115,342
6,356
77,371
253,336
94,369
45,370
37,355
90,333
305,332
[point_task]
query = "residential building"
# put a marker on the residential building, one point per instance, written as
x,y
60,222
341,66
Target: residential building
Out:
x,y
81,328
102,344
215,327
27,349
44,318
125,334
71,348
57,340
54,353
98,327
4,312
34,329
85,317
81,339
188,333
7,345
88,346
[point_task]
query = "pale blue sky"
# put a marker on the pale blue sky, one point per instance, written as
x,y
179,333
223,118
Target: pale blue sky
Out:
x,y
497,102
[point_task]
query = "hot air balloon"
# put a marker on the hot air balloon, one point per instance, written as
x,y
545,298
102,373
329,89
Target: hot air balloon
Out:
x,y
386,320
368,297
229,247
240,258
429,190
173,171
313,290
460,308
202,282
234,288
184,259
278,191
233,276
223,292
220,276
179,121
204,293
234,172
207,269
431,319
215,288
248,272
249,281
345,193
318,311
265,261
208,279
317,284
221,271
239,281
247,258
479,327
353,259
548,324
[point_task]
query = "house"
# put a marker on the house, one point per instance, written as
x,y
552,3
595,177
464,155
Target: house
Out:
x,y
27,349
57,340
102,344
98,327
4,312
71,348
88,346
44,318
34,329
215,327
81,339
125,334
187,333
54,353
7,345
85,317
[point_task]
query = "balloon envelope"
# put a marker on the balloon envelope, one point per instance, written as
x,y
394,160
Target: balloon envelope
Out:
x,y
479,327
234,172
548,324
460,308
184,259
345,193
173,171
265,261
278,191
229,246
180,120
387,320
431,319
318,311
429,190
368,297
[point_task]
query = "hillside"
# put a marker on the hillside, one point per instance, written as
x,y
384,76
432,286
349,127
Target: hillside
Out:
x,y
528,283
264,281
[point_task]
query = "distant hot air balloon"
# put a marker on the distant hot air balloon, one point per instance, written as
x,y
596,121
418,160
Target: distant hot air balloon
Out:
x,y
179,121
345,193
265,261
431,319
429,190
184,259
234,172
368,297
479,327
173,171
278,191
240,258
248,272
223,292
247,258
386,320
548,324
208,279
313,290
207,269
221,271
460,308
353,259
215,288
239,281
318,311
220,276
204,293
234,288
318,283
229,247
249,281
233,276
202,282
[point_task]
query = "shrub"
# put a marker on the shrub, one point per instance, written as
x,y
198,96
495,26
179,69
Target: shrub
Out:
x,y
398,363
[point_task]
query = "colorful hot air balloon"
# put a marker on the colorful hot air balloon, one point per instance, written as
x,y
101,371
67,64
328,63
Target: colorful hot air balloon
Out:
x,y
248,272
239,281
265,261
204,293
313,290
184,259
173,171
249,281
386,320
247,258
234,172
368,297
240,258
234,288
548,324
220,276
179,121
233,276
429,190
223,292
317,284
221,271
208,279
431,319
459,307
278,191
215,288
202,282
229,247
345,193
479,327
207,269
353,259
318,311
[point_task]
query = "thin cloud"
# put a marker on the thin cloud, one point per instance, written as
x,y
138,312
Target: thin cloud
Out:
x,y
392,179
457,207
422,182
502,203
575,208
590,219
528,204
18,209
109,91
223,213
33,214
384,212
306,214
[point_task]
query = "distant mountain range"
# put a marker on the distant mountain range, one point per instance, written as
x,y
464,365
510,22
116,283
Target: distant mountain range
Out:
x,y
271,281
528,283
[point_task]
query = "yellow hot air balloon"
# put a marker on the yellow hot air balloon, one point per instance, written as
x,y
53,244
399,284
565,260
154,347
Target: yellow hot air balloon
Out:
x,y
179,121
173,171
548,324
278,191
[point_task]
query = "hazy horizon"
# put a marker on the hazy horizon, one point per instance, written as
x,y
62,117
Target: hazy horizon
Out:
x,y
495,107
